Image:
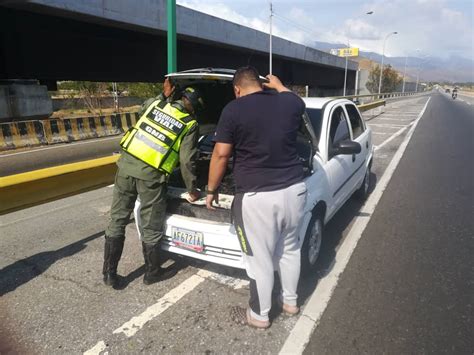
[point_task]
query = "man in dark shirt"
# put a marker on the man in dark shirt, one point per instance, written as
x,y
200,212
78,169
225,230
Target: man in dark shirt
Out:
x,y
260,129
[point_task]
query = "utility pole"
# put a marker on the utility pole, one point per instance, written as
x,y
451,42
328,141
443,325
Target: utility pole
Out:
x,y
348,46
115,95
172,52
345,72
404,73
417,79
383,55
270,45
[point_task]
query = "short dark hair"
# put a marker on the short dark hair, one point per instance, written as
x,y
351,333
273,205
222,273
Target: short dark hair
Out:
x,y
246,76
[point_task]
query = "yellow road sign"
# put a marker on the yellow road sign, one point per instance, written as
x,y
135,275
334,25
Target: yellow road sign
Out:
x,y
345,52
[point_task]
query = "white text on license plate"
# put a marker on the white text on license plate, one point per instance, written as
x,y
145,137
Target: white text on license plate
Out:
x,y
187,239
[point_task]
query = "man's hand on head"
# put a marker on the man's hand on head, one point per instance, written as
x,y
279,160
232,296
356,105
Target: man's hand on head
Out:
x,y
275,83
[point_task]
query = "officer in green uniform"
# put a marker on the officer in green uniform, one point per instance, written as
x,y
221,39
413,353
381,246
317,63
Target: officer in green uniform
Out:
x,y
165,135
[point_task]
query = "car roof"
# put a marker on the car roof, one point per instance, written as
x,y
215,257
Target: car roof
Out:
x,y
320,102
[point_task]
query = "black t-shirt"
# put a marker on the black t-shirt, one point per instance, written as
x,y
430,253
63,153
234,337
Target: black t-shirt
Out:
x,y
263,127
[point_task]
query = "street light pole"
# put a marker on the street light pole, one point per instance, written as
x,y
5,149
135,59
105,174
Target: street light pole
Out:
x,y
419,70
270,44
417,79
383,55
345,73
348,46
404,73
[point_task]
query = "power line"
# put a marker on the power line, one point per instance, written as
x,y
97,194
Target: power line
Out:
x,y
292,23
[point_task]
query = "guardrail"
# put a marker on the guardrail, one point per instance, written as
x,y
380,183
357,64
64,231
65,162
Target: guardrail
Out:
x,y
371,105
386,95
33,188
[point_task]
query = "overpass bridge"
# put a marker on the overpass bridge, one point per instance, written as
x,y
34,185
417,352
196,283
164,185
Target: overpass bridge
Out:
x,y
123,40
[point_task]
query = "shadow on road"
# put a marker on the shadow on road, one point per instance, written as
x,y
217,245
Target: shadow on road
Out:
x,y
24,270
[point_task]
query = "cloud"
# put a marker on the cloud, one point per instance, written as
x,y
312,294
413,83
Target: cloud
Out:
x,y
434,26
431,26
221,10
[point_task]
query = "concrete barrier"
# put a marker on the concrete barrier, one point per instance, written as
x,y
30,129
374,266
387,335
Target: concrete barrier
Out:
x,y
55,131
32,133
6,136
21,134
33,188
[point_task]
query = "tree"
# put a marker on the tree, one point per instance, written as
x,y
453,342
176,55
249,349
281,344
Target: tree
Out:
x,y
144,90
390,79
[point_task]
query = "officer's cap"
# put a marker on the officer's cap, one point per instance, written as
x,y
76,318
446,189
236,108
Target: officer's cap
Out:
x,y
194,96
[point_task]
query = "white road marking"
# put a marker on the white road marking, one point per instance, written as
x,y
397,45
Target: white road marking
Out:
x,y
396,134
388,120
317,303
398,117
131,327
229,281
386,125
381,133
60,146
398,114
97,349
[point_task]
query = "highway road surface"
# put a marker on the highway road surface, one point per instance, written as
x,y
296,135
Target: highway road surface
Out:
x,y
395,275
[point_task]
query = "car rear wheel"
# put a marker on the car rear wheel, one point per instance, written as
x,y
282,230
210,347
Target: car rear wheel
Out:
x,y
312,245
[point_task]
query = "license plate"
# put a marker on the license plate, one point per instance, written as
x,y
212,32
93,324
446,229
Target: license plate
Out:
x,y
187,239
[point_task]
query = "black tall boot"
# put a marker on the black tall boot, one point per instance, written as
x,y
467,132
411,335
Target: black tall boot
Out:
x,y
112,252
153,271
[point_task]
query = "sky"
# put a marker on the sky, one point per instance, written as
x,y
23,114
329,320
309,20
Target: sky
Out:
x,y
440,28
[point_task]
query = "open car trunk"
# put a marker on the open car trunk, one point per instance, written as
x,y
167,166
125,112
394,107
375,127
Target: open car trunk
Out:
x,y
217,91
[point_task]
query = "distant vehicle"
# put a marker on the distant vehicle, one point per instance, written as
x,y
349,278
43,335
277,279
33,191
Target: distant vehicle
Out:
x,y
455,93
447,91
334,145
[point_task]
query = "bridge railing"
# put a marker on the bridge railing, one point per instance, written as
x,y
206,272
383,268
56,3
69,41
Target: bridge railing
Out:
x,y
381,96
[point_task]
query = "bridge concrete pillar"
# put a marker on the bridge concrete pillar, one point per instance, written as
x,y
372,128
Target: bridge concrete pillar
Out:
x,y
24,100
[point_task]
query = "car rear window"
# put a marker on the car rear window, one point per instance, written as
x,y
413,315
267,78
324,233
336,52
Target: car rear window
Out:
x,y
316,121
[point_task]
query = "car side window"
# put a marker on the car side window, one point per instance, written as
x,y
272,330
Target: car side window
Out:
x,y
356,121
339,130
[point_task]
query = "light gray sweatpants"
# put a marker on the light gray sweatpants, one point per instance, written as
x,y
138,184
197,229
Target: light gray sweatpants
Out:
x,y
267,225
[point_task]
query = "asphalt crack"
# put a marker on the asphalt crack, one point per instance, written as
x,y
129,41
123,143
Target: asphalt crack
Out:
x,y
74,282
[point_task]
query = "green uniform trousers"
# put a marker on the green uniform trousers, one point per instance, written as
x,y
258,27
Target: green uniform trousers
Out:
x,y
153,207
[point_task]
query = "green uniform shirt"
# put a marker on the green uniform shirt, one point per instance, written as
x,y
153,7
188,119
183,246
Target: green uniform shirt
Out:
x,y
131,166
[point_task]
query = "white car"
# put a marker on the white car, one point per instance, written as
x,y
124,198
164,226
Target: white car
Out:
x,y
335,146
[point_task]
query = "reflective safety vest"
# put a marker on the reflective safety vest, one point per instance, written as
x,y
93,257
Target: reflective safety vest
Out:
x,y
156,137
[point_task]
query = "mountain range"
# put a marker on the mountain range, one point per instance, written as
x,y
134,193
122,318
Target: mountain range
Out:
x,y
452,69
